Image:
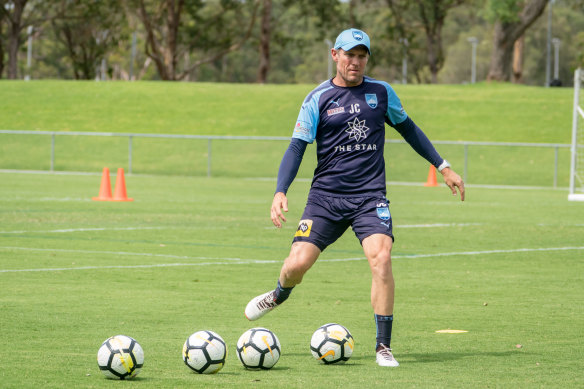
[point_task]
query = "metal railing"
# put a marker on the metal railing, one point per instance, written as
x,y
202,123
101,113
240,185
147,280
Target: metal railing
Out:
x,y
211,138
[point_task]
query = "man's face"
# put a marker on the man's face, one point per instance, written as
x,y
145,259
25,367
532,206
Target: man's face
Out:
x,y
350,65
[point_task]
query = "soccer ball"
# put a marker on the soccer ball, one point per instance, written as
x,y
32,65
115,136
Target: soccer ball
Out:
x,y
120,357
258,348
205,352
332,343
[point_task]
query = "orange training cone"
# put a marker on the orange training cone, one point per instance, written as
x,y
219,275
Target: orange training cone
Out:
x,y
105,191
120,193
431,177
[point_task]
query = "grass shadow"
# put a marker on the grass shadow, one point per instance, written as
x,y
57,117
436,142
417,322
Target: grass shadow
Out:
x,y
450,356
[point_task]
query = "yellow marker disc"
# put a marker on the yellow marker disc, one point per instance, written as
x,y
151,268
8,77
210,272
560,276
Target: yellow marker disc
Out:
x,y
451,331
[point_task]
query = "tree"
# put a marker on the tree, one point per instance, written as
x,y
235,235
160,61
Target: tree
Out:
x,y
19,14
169,37
13,13
511,18
433,14
265,30
88,30
2,15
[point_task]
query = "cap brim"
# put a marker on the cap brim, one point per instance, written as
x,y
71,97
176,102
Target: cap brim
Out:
x,y
351,45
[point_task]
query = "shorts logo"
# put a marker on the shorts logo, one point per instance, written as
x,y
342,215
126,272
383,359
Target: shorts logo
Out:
x,y
304,228
383,212
371,100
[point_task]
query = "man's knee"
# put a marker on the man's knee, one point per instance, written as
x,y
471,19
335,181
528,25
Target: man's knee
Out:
x,y
381,265
300,260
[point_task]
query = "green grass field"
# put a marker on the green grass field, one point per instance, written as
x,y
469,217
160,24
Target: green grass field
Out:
x,y
480,112
188,254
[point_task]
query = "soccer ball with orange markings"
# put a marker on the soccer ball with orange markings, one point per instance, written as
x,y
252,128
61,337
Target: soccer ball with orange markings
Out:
x,y
258,348
332,343
120,357
204,352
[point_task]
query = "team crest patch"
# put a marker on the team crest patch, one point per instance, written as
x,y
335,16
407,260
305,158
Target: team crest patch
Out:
x,y
304,228
383,212
357,35
371,100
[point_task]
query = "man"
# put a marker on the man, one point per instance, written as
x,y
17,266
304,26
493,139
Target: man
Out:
x,y
346,116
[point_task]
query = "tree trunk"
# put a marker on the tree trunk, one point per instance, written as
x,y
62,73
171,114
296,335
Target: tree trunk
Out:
x,y
164,56
433,27
14,42
435,55
518,60
506,33
433,14
173,23
1,47
265,30
500,67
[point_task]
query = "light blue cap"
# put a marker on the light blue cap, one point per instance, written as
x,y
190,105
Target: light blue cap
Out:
x,y
352,38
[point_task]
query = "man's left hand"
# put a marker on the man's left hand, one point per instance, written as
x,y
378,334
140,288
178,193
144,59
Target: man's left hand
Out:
x,y
453,181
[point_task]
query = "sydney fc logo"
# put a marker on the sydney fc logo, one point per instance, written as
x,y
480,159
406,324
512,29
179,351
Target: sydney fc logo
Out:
x,y
371,100
357,35
383,213
357,129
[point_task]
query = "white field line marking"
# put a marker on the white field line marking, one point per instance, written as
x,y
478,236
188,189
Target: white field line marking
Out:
x,y
240,261
120,253
560,224
84,229
435,225
255,261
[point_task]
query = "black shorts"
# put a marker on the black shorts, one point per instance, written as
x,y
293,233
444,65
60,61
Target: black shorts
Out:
x,y
326,218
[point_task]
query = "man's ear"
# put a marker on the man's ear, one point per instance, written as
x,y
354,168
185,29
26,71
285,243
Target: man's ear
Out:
x,y
335,54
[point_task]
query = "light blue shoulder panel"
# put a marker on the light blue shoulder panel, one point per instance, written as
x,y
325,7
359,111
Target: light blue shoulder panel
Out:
x,y
309,115
395,111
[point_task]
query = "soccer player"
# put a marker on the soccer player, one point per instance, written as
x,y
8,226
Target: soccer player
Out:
x,y
346,116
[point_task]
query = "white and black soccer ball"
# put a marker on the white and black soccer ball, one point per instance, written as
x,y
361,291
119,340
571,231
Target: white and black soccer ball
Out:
x,y
120,357
258,348
205,352
332,343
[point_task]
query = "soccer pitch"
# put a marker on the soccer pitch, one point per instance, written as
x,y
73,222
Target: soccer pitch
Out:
x,y
189,253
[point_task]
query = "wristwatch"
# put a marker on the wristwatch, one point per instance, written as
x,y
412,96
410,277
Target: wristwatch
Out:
x,y
443,165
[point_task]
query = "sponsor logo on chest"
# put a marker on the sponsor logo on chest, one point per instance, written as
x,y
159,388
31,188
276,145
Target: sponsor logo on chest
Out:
x,y
335,111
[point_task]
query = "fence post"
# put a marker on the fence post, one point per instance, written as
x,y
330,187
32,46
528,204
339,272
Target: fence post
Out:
x,y
209,157
465,162
53,152
556,167
130,154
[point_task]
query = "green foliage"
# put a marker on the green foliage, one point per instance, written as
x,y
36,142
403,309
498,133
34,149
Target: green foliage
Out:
x,y
198,249
86,32
506,11
297,49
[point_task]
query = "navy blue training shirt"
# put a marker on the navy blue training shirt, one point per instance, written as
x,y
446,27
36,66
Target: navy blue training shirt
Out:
x,y
348,124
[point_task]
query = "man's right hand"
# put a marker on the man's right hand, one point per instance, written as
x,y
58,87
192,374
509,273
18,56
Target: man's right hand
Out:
x,y
279,204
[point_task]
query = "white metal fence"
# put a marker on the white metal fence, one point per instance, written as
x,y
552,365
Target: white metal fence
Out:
x,y
466,145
